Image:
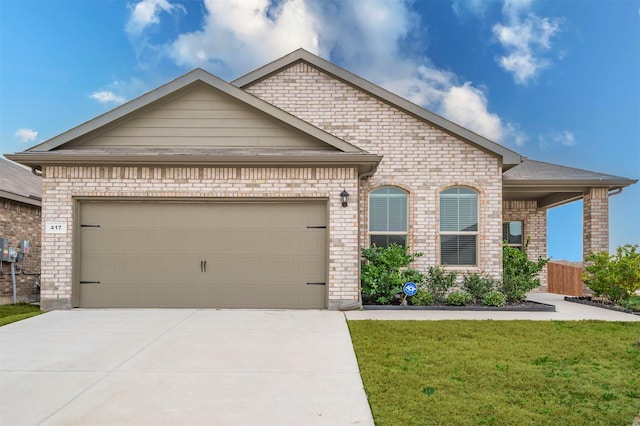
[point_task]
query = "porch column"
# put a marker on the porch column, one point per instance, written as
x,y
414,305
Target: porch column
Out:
x,y
595,223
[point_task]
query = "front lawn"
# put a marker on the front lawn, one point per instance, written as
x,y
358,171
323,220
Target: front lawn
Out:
x,y
500,372
20,311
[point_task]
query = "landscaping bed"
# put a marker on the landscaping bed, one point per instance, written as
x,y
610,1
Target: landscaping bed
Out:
x,y
588,300
525,306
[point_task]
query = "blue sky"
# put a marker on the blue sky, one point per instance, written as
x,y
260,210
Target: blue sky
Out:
x,y
557,81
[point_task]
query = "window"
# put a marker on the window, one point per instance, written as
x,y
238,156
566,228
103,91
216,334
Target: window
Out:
x,y
458,226
512,234
388,217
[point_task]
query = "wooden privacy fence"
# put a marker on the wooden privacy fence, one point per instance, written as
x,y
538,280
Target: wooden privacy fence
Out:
x,y
564,278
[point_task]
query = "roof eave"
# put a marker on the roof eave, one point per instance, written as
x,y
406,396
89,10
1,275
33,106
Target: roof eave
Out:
x,y
567,184
21,198
366,163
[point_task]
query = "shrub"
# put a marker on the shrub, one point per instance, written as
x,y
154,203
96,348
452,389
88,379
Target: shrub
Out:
x,y
478,286
494,298
422,298
439,281
519,274
384,271
616,276
632,303
459,298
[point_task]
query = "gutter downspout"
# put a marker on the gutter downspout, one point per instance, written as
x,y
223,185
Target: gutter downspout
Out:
x,y
37,170
615,191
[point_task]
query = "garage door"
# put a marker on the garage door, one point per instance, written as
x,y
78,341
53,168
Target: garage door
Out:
x,y
219,255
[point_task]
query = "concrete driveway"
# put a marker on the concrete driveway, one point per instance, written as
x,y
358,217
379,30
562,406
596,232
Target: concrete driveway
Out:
x,y
180,367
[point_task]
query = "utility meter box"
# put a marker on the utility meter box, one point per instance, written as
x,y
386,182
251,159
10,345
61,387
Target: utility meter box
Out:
x,y
13,255
24,247
4,249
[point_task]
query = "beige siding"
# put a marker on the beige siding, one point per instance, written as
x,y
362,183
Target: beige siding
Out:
x,y
201,117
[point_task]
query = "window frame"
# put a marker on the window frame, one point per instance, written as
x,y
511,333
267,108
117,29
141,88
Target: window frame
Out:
x,y
404,233
475,233
518,246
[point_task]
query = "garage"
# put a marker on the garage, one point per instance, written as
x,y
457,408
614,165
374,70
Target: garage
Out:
x,y
187,254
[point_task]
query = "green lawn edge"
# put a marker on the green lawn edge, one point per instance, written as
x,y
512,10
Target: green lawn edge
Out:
x,y
18,312
500,372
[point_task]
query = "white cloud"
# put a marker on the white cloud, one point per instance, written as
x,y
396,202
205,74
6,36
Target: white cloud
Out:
x,y
550,140
26,135
368,38
526,37
146,13
107,97
240,35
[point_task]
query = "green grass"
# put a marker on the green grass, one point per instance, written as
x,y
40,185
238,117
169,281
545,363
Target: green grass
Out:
x,y
18,312
500,372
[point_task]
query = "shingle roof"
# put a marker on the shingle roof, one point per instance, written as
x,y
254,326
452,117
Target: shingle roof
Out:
x,y
19,184
537,172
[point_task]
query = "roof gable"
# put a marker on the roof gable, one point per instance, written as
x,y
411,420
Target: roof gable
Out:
x,y
509,157
114,118
197,116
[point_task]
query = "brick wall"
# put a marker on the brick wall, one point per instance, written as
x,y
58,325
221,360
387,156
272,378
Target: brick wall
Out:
x,y
418,158
534,229
596,221
62,184
19,221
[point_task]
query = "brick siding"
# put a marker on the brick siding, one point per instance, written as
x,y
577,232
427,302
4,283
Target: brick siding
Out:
x,y
596,221
19,221
419,158
62,184
534,229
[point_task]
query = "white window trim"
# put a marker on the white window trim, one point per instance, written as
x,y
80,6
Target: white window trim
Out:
x,y
384,233
476,233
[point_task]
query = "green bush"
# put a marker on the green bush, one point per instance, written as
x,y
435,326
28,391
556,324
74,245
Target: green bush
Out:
x,y
478,286
519,274
632,303
439,281
616,276
384,271
422,298
494,298
459,298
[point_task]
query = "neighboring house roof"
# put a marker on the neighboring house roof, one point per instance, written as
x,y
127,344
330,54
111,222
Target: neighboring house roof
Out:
x,y
553,184
62,150
509,157
17,183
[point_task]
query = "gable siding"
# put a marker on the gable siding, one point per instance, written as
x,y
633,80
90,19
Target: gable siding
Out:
x,y
201,117
417,157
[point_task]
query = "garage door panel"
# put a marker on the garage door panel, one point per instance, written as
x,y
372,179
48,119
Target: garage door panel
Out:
x,y
151,254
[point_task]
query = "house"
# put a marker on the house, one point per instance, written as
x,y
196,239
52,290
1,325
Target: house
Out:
x,y
20,219
260,193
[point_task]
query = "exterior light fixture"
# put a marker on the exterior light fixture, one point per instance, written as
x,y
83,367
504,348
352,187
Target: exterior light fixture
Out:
x,y
344,196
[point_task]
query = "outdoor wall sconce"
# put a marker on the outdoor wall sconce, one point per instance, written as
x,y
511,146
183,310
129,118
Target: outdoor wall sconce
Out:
x,y
344,196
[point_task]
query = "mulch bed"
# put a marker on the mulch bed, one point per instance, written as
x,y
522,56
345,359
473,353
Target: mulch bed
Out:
x,y
526,306
588,300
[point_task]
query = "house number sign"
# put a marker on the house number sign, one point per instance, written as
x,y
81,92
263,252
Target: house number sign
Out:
x,y
55,228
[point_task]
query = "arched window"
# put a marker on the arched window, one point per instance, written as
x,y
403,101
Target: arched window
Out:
x,y
458,226
388,217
